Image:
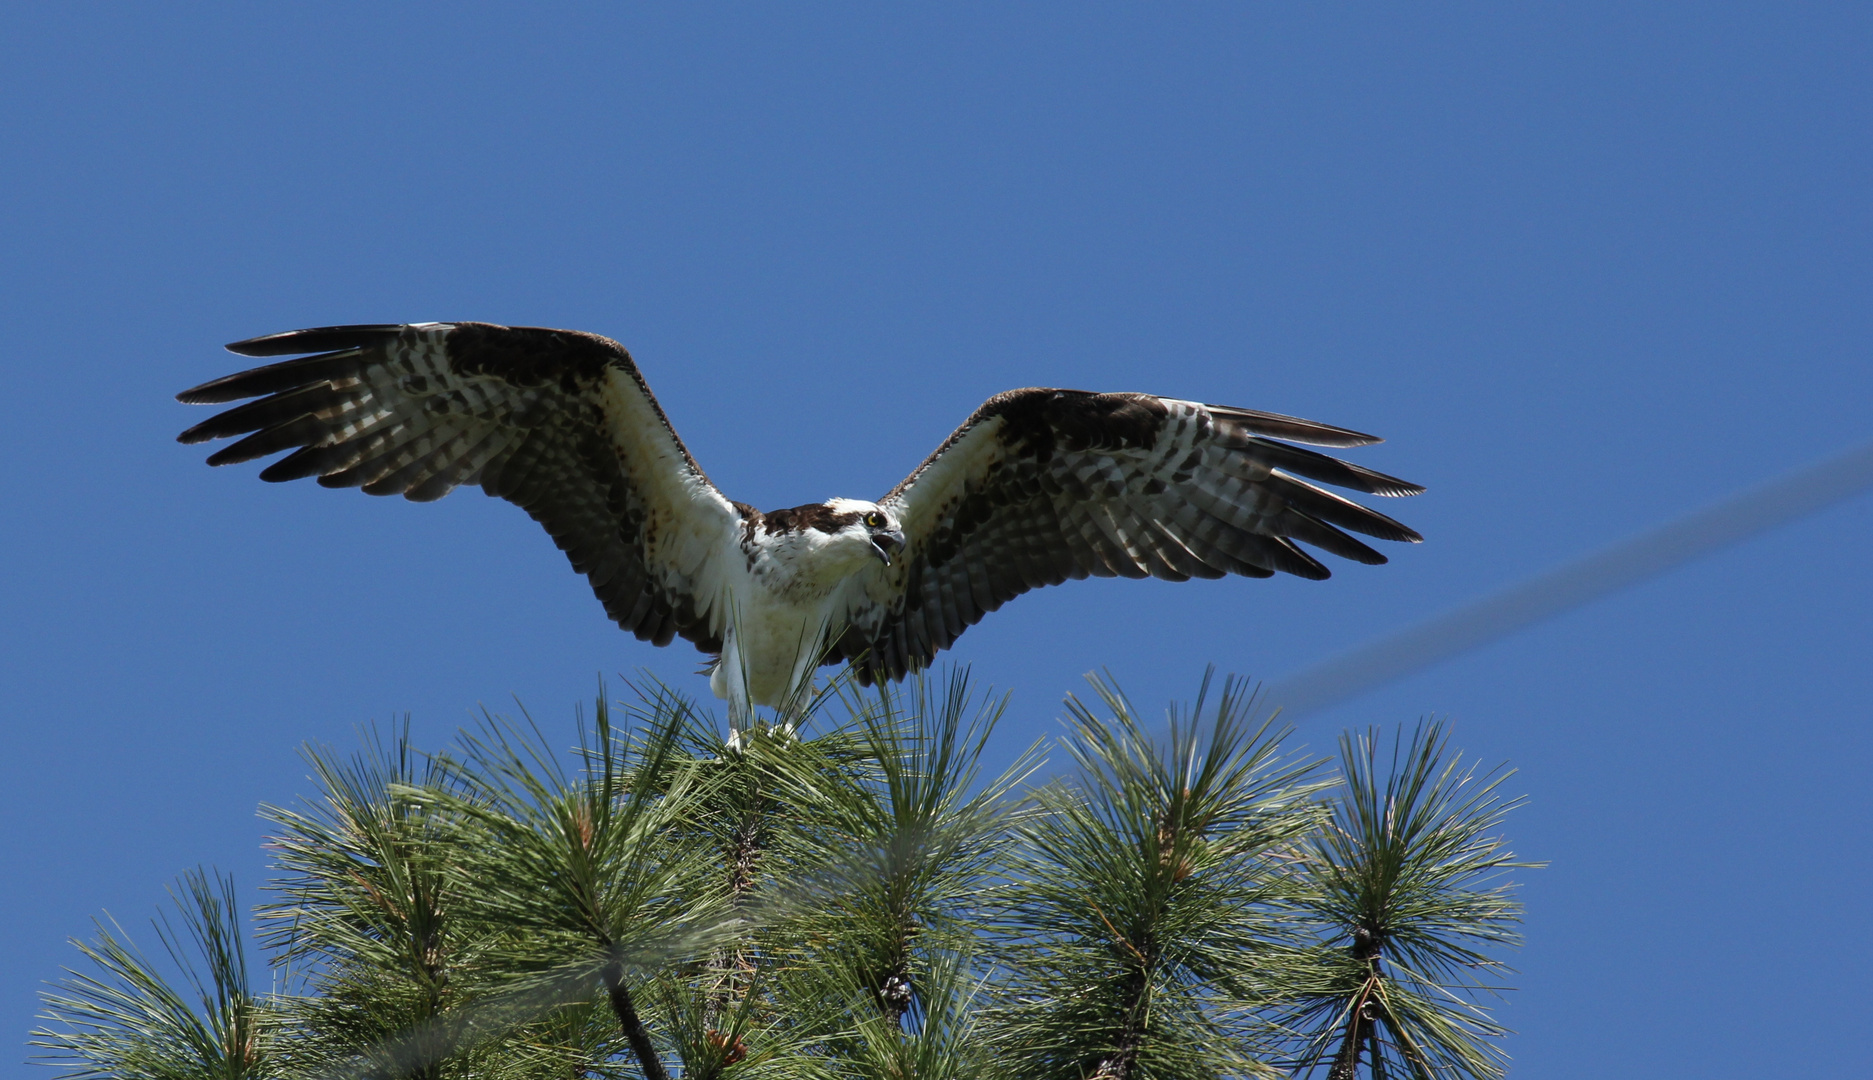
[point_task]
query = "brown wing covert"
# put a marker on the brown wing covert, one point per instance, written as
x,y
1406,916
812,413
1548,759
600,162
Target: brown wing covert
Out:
x,y
1043,485
422,409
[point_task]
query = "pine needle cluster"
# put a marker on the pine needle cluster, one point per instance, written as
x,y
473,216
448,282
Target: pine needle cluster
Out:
x,y
846,893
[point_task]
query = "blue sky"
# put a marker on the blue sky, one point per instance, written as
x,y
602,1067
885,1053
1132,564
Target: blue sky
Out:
x,y
1587,267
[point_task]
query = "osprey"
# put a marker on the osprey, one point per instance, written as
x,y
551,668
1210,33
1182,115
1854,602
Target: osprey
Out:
x,y
1037,486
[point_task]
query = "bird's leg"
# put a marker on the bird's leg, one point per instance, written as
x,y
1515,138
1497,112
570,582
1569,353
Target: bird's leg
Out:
x,y
800,685
799,697
735,687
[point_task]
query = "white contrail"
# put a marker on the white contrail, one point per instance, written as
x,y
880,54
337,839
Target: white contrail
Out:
x,y
1647,555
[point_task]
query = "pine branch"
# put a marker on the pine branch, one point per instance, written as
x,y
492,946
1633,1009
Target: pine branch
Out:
x,y
633,1028
856,900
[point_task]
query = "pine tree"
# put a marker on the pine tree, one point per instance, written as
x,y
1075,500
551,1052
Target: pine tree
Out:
x,y
838,891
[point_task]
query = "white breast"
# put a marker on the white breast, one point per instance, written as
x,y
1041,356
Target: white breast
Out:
x,y
784,590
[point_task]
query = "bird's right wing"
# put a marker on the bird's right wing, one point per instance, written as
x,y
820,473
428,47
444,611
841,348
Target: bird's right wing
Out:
x,y
558,422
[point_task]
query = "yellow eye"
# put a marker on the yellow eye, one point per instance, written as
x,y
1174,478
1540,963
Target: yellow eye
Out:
x,y
874,520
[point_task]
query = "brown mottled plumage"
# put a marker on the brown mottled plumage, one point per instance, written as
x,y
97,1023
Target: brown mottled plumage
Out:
x,y
1038,486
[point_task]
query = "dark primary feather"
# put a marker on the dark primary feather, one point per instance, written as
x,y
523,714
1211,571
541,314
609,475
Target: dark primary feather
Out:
x,y
1325,469
1064,484
318,339
419,410
271,379
1294,428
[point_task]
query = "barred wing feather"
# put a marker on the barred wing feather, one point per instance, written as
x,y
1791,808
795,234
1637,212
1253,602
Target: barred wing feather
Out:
x,y
558,422
1043,485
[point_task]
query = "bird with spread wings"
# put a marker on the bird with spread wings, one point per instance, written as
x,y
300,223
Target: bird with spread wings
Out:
x,y
1037,486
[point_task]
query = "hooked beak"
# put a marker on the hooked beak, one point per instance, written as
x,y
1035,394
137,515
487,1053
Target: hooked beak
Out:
x,y
887,544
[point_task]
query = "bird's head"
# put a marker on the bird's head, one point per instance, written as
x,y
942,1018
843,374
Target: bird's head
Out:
x,y
870,524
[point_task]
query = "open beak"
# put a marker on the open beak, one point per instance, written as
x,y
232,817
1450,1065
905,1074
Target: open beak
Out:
x,y
887,544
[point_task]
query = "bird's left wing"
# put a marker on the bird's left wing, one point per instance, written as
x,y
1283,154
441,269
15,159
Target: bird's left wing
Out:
x,y
556,421
1042,485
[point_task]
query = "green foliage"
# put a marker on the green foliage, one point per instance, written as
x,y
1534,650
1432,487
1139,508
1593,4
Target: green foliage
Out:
x,y
1405,886
855,898
1145,917
128,1021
